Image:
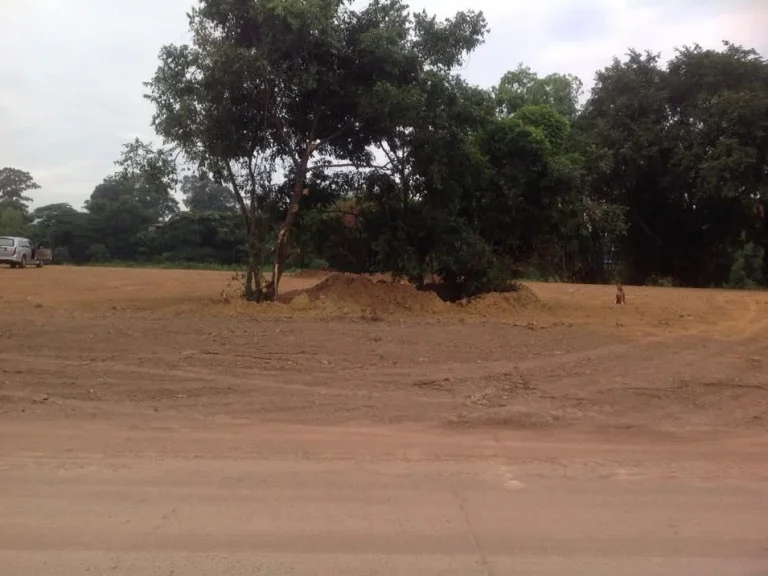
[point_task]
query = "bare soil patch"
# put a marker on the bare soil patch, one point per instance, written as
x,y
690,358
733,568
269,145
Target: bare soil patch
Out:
x,y
100,343
144,417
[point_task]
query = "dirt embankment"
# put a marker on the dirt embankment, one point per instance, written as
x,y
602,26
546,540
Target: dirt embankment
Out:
x,y
344,294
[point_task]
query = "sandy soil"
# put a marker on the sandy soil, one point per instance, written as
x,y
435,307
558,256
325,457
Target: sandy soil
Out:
x,y
151,423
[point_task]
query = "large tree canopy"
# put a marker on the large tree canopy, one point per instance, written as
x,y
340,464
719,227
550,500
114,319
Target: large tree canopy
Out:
x,y
335,133
203,195
686,151
523,87
151,176
14,186
277,85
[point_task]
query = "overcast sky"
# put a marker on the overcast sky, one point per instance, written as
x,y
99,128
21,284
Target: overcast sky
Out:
x,y
71,71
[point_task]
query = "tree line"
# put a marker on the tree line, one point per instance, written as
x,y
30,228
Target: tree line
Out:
x,y
322,133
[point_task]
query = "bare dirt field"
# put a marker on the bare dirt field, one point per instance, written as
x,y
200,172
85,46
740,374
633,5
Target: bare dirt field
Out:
x,y
152,423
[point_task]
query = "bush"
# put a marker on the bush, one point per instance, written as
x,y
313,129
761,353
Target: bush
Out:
x,y
747,268
98,253
61,256
469,267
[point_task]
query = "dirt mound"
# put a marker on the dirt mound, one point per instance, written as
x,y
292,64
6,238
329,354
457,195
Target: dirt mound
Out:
x,y
519,299
354,294
347,294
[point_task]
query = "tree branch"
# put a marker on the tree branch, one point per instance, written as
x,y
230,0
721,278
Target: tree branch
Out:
x,y
284,139
640,222
357,165
252,178
336,134
386,147
238,195
315,122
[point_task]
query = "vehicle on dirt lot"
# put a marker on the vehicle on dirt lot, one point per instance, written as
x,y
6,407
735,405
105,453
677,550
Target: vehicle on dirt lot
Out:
x,y
19,252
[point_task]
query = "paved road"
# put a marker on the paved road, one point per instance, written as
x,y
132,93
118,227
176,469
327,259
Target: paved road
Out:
x,y
501,512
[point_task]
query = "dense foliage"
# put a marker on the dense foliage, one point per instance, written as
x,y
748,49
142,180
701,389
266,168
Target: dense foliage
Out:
x,y
308,133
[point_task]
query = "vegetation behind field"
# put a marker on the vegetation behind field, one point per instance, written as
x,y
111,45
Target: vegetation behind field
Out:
x,y
357,146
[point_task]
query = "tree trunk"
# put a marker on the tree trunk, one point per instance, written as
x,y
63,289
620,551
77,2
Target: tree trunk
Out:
x,y
253,289
284,238
249,292
284,235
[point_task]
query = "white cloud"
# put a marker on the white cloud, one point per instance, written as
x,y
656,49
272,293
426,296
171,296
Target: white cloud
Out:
x,y
71,71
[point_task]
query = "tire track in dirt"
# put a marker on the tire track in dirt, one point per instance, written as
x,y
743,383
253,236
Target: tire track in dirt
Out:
x,y
378,379
482,369
746,325
180,376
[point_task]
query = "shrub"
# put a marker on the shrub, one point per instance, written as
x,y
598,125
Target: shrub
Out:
x,y
98,253
747,268
661,281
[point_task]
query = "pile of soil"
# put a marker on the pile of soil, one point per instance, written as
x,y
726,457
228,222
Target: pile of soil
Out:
x,y
521,298
352,294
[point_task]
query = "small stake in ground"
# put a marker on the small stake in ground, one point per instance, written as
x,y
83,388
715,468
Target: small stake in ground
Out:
x,y
621,298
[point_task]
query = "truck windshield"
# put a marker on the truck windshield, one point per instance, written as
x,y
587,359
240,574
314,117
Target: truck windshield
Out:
x,y
6,241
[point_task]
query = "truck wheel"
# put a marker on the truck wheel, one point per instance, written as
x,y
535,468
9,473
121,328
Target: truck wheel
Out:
x,y
23,262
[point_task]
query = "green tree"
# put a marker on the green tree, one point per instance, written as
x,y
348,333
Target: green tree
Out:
x,y
431,168
14,186
153,176
207,237
626,119
66,230
747,268
684,156
117,214
50,213
718,103
517,206
51,220
287,82
203,195
98,253
523,87
13,222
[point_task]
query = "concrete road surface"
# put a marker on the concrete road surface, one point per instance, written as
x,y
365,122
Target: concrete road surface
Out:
x,y
99,501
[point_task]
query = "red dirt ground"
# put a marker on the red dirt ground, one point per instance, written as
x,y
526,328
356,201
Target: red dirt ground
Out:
x,y
102,342
99,365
